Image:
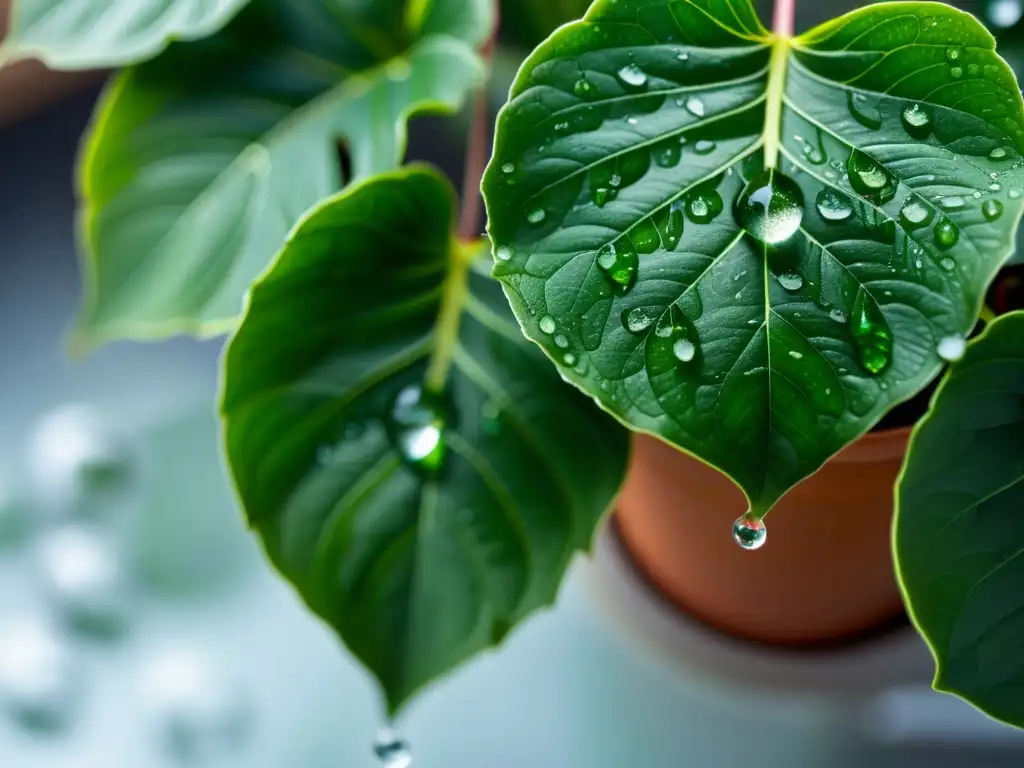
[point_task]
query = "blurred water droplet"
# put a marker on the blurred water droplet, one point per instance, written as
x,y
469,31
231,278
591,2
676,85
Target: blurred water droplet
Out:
x,y
833,205
632,77
508,168
796,355
490,418
946,233
561,342
619,263
917,121
416,424
749,531
956,72
639,319
682,56
952,202
537,216
82,576
695,106
991,209
1013,194
952,348
41,683
770,207
837,314
1003,14
704,147
569,358
947,264
392,751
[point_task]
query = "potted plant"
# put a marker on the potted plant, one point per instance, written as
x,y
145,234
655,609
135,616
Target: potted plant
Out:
x,y
746,246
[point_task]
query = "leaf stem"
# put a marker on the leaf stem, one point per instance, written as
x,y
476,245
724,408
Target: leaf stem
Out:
x,y
476,161
446,332
782,21
782,26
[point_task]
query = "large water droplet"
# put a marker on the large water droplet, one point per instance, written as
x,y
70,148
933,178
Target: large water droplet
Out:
x,y
199,714
667,154
749,531
684,350
770,208
870,178
946,233
547,324
639,319
670,223
40,680
991,209
416,424
791,281
392,750
676,334
915,213
997,154
1003,14
695,106
917,122
871,334
864,109
619,263
833,205
82,576
632,78
703,206
952,348
645,236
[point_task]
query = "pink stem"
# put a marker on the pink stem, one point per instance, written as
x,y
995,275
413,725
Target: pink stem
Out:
x,y
476,160
782,22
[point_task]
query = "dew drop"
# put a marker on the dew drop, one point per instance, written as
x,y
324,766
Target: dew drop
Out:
x,y
682,56
632,77
946,233
837,314
770,207
392,751
955,72
684,350
749,531
667,154
619,263
791,281
639,319
995,187
864,110
503,253
675,340
953,202
915,213
416,424
954,53
947,264
952,348
670,222
561,341
997,154
508,168
814,155
796,355
704,147
1014,193
695,106
871,334
547,324
703,207
569,358
870,178
583,88
991,209
40,680
536,216
917,122
833,205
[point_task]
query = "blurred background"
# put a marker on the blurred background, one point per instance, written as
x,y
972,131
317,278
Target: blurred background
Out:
x,y
141,628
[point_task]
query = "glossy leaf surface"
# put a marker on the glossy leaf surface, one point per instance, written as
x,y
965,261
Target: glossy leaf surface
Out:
x,y
414,466
761,330
200,161
83,34
958,540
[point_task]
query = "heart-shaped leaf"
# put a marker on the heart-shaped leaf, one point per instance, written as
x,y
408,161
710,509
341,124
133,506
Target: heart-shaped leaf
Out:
x,y
958,540
200,161
84,34
414,466
759,319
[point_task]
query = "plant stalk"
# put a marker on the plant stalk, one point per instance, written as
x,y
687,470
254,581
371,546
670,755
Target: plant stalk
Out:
x,y
782,21
476,161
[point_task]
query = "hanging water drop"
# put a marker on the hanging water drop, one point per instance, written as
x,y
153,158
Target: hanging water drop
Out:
x,y
416,424
749,531
770,208
695,106
991,210
619,263
946,233
915,213
536,216
952,348
791,281
675,339
392,751
632,77
871,334
870,178
639,319
704,147
547,324
917,122
833,205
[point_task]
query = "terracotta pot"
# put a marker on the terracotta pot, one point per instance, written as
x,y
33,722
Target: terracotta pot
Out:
x,y
825,573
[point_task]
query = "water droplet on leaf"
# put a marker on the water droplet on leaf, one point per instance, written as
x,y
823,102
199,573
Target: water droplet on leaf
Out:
x,y
770,208
704,147
947,264
416,424
667,154
955,72
547,324
639,319
632,77
838,315
917,122
670,223
583,88
619,263
508,168
536,216
915,213
952,348
749,531
695,106
791,281
946,233
833,205
953,53
684,350
864,110
702,207
503,253
870,178
991,209
871,334
997,154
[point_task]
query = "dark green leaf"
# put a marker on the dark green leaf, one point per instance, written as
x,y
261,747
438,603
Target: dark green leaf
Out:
x,y
201,160
414,465
84,34
894,134
958,539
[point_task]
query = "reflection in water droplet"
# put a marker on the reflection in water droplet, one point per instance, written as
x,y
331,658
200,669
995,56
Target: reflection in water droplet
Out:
x,y
703,206
947,264
569,358
955,72
392,751
40,681
684,350
670,223
416,424
864,109
676,336
682,56
1003,13
749,532
503,253
770,208
991,209
997,154
953,53
198,713
695,106
561,342
667,154
583,88
915,213
547,324
871,334
952,348
619,263
870,178
917,122
704,147
946,233
639,319
833,205
632,77
791,281
536,216
83,578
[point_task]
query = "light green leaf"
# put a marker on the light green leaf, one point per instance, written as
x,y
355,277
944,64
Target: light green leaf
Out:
x,y
85,34
200,161
958,540
413,465
764,332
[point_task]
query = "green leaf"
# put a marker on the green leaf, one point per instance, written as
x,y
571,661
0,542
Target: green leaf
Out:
x,y
764,348
958,541
200,161
85,34
413,465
